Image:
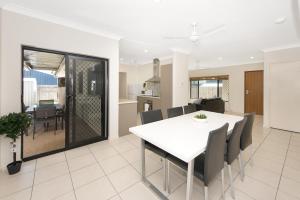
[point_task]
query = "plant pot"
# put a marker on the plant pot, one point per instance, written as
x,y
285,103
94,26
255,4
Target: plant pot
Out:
x,y
14,167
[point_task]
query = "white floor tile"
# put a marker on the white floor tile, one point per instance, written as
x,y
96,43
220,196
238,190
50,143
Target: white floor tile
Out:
x,y
22,195
114,163
124,146
68,196
291,173
124,178
81,161
15,183
50,172
86,175
73,153
105,153
284,196
290,187
99,189
132,156
52,189
151,166
266,176
137,192
50,160
255,189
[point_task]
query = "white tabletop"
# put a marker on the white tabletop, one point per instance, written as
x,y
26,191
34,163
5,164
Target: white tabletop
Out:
x,y
182,136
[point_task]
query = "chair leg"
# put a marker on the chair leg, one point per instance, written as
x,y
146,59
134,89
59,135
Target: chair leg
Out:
x,y
241,166
231,182
168,177
165,174
33,132
252,154
223,185
205,192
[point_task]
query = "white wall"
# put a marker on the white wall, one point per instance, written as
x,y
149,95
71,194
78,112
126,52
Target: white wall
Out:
x,y
133,88
282,57
180,79
17,30
138,74
236,82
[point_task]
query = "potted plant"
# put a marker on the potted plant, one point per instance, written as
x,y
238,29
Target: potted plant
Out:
x,y
13,125
200,118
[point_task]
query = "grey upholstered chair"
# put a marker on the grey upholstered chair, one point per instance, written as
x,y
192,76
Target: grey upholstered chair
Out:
x,y
174,112
44,114
149,117
233,150
190,108
208,164
246,138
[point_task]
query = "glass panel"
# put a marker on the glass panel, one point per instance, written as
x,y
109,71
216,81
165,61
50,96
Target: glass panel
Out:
x,y
87,110
194,90
43,100
208,88
224,89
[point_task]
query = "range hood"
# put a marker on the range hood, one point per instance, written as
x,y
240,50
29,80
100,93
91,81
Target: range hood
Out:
x,y
155,78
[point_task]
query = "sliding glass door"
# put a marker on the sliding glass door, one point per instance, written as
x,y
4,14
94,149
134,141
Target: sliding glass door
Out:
x,y
87,105
66,95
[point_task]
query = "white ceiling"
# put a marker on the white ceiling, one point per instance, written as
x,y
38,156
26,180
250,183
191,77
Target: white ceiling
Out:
x,y
250,26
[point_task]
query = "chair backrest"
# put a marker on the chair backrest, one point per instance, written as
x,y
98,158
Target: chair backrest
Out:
x,y
246,137
214,154
233,144
190,108
174,112
151,116
43,112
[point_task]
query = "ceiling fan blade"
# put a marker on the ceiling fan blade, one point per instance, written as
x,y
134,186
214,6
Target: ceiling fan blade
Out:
x,y
296,14
174,38
214,30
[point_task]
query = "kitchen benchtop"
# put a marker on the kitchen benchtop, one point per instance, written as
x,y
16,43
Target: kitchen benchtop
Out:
x,y
148,96
126,101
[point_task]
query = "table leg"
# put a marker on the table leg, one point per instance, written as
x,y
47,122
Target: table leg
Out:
x,y
143,159
190,179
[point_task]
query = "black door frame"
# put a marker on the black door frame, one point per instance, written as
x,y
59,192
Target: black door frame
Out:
x,y
67,146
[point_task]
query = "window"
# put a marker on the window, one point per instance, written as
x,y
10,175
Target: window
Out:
x,y
209,87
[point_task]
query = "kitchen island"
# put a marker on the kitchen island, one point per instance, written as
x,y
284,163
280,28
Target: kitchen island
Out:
x,y
127,115
142,99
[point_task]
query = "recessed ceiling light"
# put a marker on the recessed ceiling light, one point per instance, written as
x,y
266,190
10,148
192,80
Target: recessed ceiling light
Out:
x,y
280,20
220,58
146,50
252,57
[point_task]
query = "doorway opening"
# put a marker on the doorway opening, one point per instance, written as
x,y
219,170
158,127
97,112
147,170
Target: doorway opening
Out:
x,y
66,95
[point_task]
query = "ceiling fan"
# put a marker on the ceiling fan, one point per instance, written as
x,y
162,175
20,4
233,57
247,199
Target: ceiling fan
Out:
x,y
196,36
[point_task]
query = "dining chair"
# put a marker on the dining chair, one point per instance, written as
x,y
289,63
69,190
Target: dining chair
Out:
x,y
44,114
208,164
233,150
189,108
149,117
246,139
174,112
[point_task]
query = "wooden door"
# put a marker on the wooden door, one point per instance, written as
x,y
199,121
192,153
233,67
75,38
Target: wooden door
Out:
x,y
254,84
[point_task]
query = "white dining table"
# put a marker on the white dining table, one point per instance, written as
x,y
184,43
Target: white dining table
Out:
x,y
182,137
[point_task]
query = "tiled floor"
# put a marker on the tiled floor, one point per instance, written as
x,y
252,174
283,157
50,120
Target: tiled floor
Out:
x,y
111,170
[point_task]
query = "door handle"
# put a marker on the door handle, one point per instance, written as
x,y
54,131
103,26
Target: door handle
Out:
x,y
247,92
